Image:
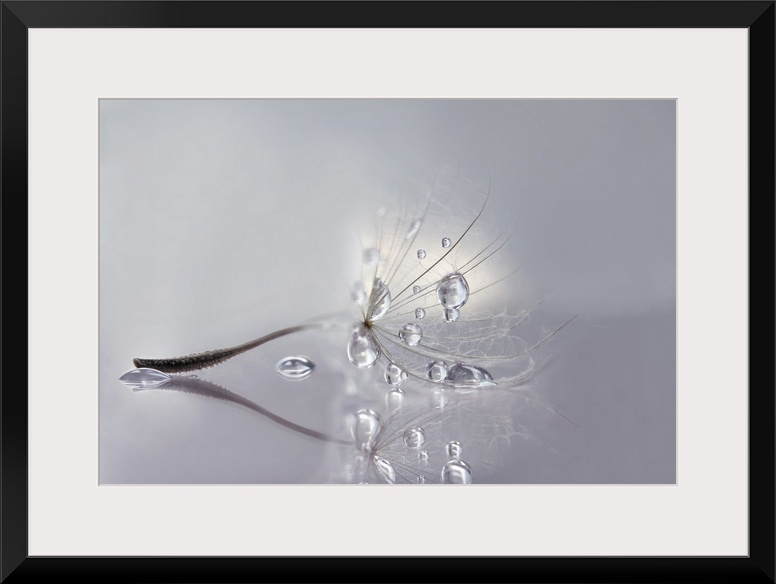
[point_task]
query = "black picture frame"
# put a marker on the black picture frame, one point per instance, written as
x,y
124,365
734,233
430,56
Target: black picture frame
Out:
x,y
756,16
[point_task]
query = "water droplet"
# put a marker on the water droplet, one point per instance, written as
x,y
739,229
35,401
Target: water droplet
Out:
x,y
436,370
446,242
415,289
394,374
362,348
358,294
414,228
414,437
385,469
144,378
423,456
438,399
366,427
421,480
379,300
297,367
469,376
371,256
451,314
457,472
421,254
411,334
420,313
453,291
394,399
454,449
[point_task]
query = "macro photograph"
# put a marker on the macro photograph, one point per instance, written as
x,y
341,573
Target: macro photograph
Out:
x,y
387,291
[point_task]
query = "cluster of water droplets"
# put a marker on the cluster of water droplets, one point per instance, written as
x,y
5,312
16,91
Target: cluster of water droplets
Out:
x,y
388,467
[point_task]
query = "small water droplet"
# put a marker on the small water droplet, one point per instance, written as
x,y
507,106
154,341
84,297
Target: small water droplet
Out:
x,y
394,374
362,348
423,456
414,437
144,378
451,314
415,289
379,300
385,470
395,398
414,228
366,427
371,256
358,293
421,254
457,472
420,313
421,480
453,291
438,399
436,371
469,376
454,449
446,242
411,334
298,367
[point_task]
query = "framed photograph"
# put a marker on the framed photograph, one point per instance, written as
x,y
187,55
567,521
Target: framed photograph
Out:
x,y
269,261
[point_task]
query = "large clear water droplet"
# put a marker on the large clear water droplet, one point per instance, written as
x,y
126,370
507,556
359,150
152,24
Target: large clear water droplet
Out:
x,y
298,367
371,256
451,314
446,242
395,399
469,376
415,289
420,313
452,291
394,374
144,378
436,371
457,472
366,428
362,348
385,470
421,254
379,300
414,228
411,334
454,449
414,437
358,294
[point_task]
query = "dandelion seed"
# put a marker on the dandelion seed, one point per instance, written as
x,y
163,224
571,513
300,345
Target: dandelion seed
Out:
x,y
451,355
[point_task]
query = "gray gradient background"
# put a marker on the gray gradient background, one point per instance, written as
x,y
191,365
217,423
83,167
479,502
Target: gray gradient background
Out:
x,y
222,220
